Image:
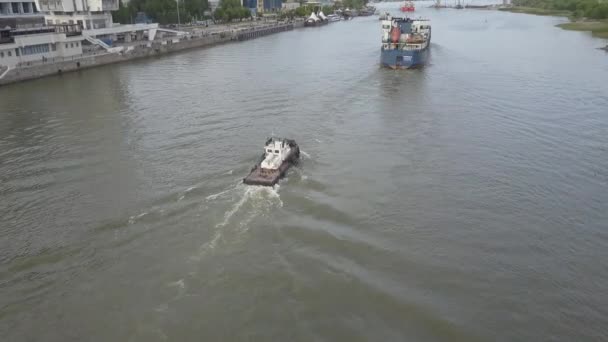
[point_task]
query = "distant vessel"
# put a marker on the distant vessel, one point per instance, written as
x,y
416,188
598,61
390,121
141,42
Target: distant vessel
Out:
x,y
408,6
279,155
333,18
405,43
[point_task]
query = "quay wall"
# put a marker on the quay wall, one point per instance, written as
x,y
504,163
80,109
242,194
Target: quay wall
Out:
x,y
141,50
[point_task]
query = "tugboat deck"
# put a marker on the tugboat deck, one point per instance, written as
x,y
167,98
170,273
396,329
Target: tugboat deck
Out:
x,y
279,155
265,177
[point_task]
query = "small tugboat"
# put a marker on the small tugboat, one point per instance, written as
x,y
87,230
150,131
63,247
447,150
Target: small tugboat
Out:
x,y
408,6
279,155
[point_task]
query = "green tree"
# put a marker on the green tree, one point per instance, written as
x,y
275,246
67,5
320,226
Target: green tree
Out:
x,y
592,9
229,10
328,9
161,11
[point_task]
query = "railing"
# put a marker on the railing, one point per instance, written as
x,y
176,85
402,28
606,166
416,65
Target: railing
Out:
x,y
402,46
53,60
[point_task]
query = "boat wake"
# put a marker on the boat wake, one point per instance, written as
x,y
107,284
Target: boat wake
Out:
x,y
249,203
305,154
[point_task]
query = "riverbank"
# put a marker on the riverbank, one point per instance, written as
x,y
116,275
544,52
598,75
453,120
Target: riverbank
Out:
x,y
536,11
598,28
142,49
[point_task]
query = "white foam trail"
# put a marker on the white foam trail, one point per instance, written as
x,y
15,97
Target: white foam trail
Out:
x,y
134,219
186,192
229,172
215,196
262,198
234,208
179,284
305,154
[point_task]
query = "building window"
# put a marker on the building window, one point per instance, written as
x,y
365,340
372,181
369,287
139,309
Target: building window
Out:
x,y
76,44
35,49
54,47
15,6
1,54
66,45
10,54
17,52
71,45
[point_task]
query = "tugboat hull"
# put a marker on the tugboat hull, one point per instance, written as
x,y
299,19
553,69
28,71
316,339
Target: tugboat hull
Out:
x,y
267,177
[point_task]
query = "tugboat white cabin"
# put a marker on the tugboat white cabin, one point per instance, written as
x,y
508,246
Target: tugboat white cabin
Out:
x,y
279,155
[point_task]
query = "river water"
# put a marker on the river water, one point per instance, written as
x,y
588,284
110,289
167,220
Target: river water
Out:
x,y
467,201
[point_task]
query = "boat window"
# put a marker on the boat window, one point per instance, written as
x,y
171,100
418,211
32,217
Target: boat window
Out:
x,y
269,150
276,151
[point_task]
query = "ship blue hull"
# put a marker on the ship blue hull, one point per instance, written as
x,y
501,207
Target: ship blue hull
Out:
x,y
404,59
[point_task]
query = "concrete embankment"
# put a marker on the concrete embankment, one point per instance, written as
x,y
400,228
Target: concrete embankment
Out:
x,y
135,51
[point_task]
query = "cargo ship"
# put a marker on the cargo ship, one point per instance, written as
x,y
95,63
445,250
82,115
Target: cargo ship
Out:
x,y
408,6
405,43
279,155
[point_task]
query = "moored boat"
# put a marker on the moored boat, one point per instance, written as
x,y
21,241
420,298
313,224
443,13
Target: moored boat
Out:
x,y
408,6
333,18
279,155
405,43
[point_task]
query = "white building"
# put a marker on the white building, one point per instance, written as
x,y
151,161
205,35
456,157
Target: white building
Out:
x,y
90,14
288,6
19,14
214,4
25,39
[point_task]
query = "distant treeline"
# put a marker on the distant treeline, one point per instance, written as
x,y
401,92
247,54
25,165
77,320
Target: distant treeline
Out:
x,y
229,10
592,9
352,4
165,11
161,11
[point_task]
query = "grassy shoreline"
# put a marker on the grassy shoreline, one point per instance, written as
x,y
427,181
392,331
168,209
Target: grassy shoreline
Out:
x,y
598,28
536,11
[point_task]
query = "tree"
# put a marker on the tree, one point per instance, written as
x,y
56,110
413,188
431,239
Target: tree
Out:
x,y
229,10
303,11
161,11
328,9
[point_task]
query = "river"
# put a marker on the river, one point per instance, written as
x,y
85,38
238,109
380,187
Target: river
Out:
x,y
466,201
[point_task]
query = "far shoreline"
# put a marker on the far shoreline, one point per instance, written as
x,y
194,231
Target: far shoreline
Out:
x,y
598,28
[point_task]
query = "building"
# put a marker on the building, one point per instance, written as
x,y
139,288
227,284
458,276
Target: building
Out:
x,y
20,14
89,14
213,5
251,5
24,37
288,6
266,6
